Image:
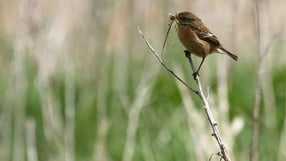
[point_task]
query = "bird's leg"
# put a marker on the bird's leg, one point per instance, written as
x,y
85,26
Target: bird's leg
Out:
x,y
197,72
188,55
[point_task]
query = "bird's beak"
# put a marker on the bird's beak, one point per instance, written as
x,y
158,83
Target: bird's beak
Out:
x,y
177,18
174,18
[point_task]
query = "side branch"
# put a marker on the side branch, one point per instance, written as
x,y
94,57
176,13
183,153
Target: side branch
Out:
x,y
163,64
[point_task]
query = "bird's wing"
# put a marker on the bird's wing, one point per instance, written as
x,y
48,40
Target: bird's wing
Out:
x,y
204,33
211,38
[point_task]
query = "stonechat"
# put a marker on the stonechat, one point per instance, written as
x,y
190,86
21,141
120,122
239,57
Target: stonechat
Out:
x,y
197,38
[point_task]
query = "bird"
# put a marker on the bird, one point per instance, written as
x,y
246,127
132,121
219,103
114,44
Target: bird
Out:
x,y
197,38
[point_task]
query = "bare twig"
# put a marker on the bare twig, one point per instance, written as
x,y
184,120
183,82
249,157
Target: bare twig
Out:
x,y
209,114
142,95
263,50
200,93
257,102
213,154
163,64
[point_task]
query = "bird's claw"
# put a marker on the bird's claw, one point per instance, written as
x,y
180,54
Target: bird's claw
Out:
x,y
187,53
195,74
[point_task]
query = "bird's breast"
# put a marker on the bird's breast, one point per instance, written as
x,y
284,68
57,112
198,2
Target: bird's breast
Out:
x,y
192,42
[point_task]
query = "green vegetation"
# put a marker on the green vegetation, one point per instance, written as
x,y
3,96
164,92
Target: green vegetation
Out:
x,y
93,91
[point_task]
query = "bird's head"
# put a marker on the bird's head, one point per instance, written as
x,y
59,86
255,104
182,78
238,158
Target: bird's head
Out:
x,y
184,18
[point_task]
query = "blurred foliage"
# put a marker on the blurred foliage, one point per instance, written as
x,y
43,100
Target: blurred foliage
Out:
x,y
76,73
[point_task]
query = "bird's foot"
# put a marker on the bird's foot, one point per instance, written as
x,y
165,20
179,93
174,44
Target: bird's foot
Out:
x,y
187,53
195,74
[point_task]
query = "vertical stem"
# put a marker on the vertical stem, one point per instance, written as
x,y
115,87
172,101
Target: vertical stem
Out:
x,y
142,96
212,121
133,118
209,114
30,129
257,101
69,110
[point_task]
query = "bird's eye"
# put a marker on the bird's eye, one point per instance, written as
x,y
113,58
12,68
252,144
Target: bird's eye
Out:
x,y
183,18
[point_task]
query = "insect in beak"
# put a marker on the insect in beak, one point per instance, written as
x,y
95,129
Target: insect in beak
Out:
x,y
173,18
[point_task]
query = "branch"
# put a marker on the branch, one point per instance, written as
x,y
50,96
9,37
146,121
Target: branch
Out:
x,y
163,64
209,114
223,151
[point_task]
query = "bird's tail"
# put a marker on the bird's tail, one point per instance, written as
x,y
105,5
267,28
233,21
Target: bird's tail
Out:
x,y
224,51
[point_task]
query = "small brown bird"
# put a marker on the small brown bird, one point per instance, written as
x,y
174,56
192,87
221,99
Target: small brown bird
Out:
x,y
197,38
